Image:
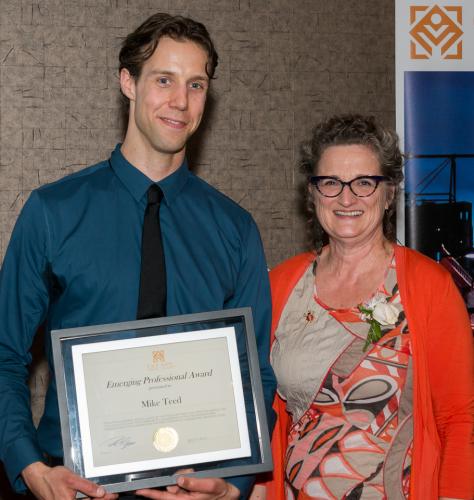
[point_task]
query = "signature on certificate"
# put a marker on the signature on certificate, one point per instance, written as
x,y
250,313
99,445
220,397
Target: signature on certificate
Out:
x,y
120,442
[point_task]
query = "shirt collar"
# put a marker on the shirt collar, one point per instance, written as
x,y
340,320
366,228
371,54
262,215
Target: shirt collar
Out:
x,y
137,183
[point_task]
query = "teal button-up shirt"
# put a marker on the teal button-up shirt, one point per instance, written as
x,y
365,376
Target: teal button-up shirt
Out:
x,y
74,260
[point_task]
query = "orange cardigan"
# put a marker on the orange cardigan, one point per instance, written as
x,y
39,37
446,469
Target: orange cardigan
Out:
x,y
443,369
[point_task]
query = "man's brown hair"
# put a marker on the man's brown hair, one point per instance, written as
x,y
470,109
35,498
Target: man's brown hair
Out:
x,y
140,45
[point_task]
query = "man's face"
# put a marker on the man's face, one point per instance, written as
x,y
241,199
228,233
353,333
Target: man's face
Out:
x,y
167,99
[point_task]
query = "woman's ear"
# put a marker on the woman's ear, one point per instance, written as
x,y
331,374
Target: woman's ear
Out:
x,y
390,196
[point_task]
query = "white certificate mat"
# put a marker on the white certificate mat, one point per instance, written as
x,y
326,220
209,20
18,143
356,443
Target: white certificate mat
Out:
x,y
161,401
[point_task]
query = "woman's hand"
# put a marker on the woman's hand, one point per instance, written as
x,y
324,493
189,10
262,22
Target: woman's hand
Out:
x,y
193,488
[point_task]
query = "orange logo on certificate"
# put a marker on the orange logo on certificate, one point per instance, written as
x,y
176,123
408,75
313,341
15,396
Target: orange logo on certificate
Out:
x,y
158,356
436,27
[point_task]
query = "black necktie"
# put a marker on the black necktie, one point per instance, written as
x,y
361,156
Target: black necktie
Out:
x,y
152,296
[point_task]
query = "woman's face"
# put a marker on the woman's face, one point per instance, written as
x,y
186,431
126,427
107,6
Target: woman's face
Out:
x,y
348,218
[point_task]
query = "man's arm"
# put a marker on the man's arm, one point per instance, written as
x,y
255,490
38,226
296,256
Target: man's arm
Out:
x,y
24,300
253,290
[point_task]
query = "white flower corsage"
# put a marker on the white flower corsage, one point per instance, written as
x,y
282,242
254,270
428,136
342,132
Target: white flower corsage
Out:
x,y
377,312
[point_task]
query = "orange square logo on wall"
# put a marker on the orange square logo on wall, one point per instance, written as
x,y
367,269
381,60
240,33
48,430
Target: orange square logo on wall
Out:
x,y
435,27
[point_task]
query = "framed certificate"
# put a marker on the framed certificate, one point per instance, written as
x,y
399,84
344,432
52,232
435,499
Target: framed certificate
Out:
x,y
141,400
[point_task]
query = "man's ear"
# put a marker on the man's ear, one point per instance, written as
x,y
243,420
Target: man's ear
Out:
x,y
127,84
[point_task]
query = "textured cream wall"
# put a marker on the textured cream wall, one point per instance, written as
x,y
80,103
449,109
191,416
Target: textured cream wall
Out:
x,y
284,64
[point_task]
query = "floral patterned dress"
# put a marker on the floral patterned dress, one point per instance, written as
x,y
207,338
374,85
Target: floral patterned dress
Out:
x,y
352,409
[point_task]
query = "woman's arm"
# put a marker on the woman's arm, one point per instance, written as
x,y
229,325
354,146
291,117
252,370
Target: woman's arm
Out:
x,y
451,373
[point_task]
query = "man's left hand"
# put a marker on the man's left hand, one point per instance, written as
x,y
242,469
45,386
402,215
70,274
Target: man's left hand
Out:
x,y
193,488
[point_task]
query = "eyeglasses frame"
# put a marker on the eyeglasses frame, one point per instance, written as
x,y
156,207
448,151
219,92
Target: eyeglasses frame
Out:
x,y
313,180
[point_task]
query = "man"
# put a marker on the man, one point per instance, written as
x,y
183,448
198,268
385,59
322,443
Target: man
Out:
x,y
75,254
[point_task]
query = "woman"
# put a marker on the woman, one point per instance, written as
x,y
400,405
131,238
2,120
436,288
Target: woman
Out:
x,y
372,344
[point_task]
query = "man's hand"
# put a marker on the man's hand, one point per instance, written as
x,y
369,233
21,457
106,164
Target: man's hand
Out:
x,y
59,483
193,488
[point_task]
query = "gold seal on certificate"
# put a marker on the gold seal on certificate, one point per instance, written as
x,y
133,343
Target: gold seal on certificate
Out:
x,y
165,439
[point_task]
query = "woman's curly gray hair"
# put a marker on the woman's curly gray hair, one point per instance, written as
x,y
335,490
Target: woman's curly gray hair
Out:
x,y
349,129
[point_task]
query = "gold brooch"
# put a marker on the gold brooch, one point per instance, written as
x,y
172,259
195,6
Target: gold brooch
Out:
x,y
309,316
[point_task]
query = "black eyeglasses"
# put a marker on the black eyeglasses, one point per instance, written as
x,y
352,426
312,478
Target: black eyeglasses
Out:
x,y
361,186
